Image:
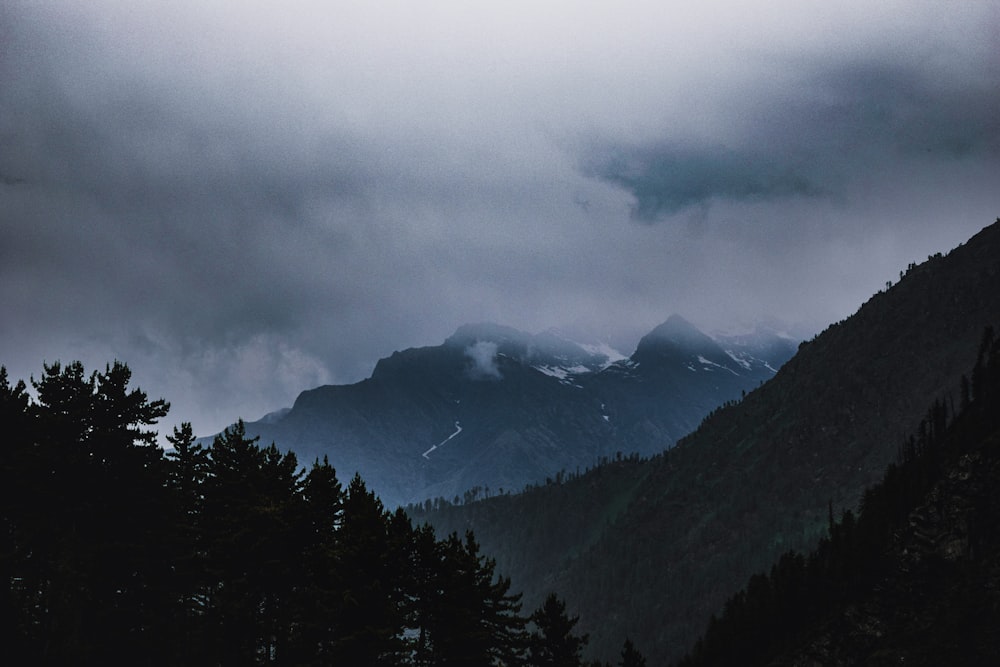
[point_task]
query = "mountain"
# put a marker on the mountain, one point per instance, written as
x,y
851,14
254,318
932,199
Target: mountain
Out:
x,y
493,409
652,548
676,376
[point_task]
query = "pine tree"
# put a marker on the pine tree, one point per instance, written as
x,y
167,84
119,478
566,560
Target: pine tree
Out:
x,y
369,620
251,504
187,471
553,642
630,656
471,618
425,567
19,581
95,488
318,599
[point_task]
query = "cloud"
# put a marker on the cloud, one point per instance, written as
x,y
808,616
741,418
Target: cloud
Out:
x,y
839,125
665,180
483,355
244,202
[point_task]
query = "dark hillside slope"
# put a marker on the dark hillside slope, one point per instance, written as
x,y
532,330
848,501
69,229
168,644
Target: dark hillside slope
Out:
x,y
756,478
914,579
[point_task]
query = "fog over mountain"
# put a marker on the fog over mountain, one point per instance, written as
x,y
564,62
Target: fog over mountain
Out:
x,y
494,409
245,200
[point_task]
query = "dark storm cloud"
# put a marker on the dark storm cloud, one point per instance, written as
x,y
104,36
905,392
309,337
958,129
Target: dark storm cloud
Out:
x,y
837,126
665,180
905,109
246,200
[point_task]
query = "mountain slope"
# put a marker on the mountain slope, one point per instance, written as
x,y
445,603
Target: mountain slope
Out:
x,y
914,579
493,408
756,478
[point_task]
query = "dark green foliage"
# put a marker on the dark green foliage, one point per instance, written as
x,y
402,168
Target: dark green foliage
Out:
x,y
369,618
553,642
114,553
918,563
631,656
83,487
471,619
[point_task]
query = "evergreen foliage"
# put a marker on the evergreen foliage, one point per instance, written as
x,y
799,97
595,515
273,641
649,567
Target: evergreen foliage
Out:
x,y
631,656
113,552
553,643
860,558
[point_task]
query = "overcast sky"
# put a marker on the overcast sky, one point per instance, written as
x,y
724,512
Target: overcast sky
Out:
x,y
244,200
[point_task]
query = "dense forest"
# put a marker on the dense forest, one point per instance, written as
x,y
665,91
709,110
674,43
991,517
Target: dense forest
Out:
x,y
913,579
114,552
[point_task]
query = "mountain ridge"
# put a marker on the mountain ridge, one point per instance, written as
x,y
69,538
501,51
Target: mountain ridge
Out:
x,y
527,406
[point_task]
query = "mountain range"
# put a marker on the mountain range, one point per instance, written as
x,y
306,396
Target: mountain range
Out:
x,y
652,548
493,409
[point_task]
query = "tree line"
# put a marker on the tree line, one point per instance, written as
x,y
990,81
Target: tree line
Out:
x,y
114,551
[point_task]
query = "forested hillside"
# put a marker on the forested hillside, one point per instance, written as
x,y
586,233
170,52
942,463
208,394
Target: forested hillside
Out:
x,y
686,528
913,579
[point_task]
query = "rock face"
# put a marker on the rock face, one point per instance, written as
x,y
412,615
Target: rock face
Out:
x,y
494,408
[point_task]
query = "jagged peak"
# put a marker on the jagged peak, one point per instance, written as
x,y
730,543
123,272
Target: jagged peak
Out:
x,y
677,332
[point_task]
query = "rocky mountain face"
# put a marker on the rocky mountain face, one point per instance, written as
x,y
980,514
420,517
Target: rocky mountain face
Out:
x,y
493,409
653,548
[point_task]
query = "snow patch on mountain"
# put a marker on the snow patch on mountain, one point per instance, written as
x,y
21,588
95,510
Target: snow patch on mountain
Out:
x,y
708,362
741,359
562,372
610,354
458,429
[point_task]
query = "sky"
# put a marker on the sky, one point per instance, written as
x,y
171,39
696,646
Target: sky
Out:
x,y
243,200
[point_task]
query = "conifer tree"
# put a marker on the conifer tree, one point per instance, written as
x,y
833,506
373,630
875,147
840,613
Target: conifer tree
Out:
x,y
317,599
187,471
369,620
18,476
251,501
630,656
96,479
553,642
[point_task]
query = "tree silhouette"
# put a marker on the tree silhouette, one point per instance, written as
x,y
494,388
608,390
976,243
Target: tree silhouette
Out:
x,y
630,656
553,642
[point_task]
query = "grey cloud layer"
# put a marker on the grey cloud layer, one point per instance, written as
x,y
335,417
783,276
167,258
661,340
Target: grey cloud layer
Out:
x,y
666,180
840,126
243,202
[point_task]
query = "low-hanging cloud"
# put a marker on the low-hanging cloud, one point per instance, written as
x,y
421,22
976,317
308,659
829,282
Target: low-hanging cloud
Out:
x,y
483,355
